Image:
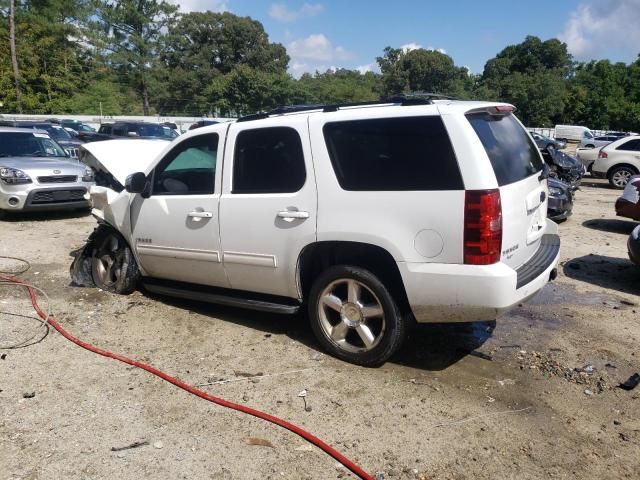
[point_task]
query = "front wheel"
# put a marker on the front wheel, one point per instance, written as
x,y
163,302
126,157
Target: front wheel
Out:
x,y
619,176
355,317
113,266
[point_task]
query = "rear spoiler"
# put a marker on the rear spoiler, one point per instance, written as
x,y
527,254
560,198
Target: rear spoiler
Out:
x,y
497,110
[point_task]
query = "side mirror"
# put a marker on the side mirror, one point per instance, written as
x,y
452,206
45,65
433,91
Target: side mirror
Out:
x,y
136,183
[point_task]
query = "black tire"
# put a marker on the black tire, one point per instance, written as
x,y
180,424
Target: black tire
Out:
x,y
390,327
619,176
3,214
113,266
590,146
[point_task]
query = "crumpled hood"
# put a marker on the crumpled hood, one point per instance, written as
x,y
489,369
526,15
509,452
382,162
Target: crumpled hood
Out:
x,y
121,158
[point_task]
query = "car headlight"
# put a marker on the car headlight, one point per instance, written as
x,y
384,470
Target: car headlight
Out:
x,y
13,176
88,175
555,192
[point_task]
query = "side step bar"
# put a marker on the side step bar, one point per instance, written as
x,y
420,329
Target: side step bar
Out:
x,y
221,298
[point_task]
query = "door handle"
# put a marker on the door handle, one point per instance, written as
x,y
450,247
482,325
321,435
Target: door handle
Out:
x,y
292,214
200,215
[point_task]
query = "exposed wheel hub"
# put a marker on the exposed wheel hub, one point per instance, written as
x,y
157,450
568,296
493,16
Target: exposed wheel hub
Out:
x,y
351,314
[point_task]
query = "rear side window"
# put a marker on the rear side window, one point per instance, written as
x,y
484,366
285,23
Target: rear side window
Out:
x,y
268,160
513,155
631,145
390,154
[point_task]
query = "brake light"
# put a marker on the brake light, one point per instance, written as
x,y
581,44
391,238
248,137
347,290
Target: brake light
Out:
x,y
504,108
482,227
603,154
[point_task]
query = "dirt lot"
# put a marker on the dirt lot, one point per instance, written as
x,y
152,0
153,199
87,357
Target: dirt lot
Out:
x,y
484,400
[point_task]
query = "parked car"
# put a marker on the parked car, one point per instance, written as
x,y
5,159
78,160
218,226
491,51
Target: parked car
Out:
x,y
633,246
366,216
628,204
564,167
77,125
546,143
57,132
560,204
596,142
618,161
202,123
587,156
37,174
129,129
574,133
619,134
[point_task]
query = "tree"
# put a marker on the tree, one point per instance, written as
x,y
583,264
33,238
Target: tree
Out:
x,y
14,58
201,46
532,75
339,86
132,31
421,70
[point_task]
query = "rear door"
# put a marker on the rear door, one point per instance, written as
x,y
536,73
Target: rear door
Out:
x,y
268,204
517,165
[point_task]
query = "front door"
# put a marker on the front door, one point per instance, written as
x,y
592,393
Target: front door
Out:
x,y
268,205
175,231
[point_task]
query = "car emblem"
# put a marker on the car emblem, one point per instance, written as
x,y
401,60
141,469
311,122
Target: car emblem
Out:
x,y
56,172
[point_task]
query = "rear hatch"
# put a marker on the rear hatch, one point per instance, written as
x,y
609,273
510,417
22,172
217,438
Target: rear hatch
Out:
x,y
518,167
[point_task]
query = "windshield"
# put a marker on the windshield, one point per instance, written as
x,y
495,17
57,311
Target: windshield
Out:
x,y
18,144
149,130
57,133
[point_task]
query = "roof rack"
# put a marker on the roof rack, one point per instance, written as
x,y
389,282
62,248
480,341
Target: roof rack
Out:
x,y
403,99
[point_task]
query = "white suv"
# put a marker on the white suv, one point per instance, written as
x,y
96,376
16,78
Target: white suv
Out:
x,y
370,216
618,161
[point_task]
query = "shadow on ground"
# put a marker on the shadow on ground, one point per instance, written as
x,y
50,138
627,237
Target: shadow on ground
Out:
x,y
595,183
429,346
607,272
12,217
611,225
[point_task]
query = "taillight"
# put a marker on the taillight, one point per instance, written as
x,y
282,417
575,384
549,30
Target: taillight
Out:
x,y
602,154
482,227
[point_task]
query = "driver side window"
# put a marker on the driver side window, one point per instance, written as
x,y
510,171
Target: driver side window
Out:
x,y
188,169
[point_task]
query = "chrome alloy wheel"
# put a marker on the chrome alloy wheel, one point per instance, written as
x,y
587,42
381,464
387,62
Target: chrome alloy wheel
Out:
x,y
351,315
108,261
621,178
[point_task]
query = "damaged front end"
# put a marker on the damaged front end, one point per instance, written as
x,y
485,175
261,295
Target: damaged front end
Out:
x,y
112,161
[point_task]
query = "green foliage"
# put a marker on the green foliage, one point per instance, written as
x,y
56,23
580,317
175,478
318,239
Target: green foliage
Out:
x,y
143,56
421,70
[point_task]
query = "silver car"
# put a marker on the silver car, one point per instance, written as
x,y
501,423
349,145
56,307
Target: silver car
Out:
x,y
37,174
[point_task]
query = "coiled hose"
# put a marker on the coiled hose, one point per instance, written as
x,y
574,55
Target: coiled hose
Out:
x,y
179,383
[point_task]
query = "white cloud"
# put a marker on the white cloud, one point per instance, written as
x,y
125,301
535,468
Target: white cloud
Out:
x,y
598,26
407,47
280,12
316,47
369,67
187,6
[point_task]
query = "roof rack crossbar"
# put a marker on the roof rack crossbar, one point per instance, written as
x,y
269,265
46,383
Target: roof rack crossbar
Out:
x,y
403,99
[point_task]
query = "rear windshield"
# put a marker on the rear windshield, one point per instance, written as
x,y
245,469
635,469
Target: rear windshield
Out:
x,y
512,153
390,154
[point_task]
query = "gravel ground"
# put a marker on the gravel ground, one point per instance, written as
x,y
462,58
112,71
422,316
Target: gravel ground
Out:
x,y
530,396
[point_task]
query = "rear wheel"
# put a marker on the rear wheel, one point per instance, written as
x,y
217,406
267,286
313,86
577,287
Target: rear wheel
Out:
x,y
619,176
113,266
355,317
590,146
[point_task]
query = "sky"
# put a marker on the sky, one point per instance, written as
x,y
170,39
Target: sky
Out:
x,y
323,34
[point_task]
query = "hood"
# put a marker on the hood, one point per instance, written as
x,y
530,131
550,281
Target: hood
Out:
x,y
41,163
563,160
121,158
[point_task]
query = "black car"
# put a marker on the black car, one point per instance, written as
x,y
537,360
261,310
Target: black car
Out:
x,y
564,167
560,204
203,123
633,246
57,132
110,131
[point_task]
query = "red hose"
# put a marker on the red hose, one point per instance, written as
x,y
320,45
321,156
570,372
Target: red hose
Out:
x,y
191,389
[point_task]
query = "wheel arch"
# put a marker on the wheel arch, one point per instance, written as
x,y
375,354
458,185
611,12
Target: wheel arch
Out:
x,y
318,256
618,165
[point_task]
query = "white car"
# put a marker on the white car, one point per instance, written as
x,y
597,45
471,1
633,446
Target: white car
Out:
x,y
618,161
371,217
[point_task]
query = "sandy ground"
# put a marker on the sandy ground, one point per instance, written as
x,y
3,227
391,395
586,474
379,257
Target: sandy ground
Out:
x,y
483,400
